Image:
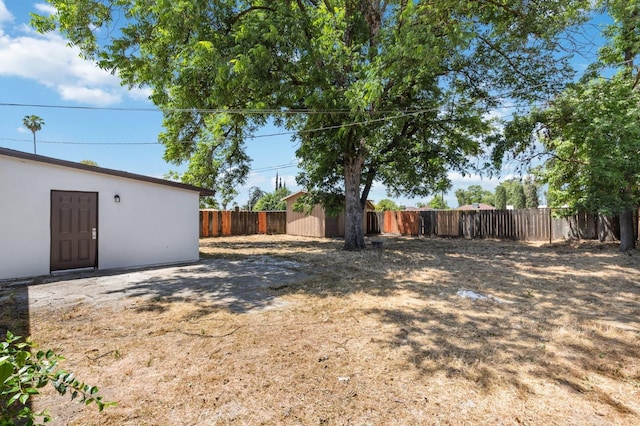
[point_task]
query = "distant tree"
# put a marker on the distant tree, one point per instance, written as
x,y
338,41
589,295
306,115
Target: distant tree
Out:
x,y
420,204
209,203
272,201
461,196
387,205
438,202
33,123
474,194
501,197
488,198
531,193
515,193
227,194
89,163
517,197
255,194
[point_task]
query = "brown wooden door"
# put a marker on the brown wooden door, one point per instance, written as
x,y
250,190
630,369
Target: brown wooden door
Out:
x,y
74,226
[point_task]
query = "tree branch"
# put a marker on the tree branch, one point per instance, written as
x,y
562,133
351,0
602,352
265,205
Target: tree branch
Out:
x,y
504,7
506,58
239,16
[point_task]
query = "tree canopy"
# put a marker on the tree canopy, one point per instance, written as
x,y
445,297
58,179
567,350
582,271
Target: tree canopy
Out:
x,y
272,200
438,202
590,133
387,205
395,92
474,194
500,197
33,123
514,192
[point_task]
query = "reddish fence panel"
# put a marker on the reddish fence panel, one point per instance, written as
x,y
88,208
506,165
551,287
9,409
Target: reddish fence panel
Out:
x,y
262,222
216,223
408,223
226,223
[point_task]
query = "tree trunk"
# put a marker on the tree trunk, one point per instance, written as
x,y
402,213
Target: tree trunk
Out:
x,y
353,232
627,237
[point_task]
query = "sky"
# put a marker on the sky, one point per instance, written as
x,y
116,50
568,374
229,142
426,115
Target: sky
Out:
x,y
40,74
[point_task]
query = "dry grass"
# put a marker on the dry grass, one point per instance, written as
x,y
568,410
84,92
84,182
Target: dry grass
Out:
x,y
373,337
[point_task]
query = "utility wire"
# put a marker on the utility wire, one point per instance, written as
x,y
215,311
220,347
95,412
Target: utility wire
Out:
x,y
269,135
247,111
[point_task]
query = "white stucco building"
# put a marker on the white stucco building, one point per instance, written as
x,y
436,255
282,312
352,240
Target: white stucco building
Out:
x,y
60,215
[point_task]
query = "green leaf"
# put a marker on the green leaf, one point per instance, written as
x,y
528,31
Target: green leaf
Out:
x,y
6,369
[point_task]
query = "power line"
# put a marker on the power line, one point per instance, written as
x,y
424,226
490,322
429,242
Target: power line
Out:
x,y
80,143
248,111
266,135
286,133
273,168
80,107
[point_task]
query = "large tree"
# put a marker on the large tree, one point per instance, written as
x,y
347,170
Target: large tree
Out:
x,y
394,91
590,134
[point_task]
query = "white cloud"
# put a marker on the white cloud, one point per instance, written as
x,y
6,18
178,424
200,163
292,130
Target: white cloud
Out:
x,y
48,60
290,182
45,8
87,95
5,15
460,181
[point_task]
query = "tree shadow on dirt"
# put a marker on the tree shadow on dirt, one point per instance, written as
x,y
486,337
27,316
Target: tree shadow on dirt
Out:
x,y
561,311
558,312
234,285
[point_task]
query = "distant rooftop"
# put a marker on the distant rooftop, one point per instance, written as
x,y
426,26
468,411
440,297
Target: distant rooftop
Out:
x,y
476,206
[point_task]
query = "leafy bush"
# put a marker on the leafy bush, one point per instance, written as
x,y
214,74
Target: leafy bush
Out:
x,y
22,373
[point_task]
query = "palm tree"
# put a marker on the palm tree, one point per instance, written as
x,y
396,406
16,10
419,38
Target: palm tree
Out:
x,y
33,123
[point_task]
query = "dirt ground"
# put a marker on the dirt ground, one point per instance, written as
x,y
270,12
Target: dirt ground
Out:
x,y
424,331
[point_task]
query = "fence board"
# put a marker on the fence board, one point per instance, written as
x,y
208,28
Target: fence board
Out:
x,y
262,222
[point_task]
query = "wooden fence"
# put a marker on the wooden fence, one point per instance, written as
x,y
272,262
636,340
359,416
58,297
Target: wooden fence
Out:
x,y
524,224
216,223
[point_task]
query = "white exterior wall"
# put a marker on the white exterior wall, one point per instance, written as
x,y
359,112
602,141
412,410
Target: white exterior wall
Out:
x,y
152,224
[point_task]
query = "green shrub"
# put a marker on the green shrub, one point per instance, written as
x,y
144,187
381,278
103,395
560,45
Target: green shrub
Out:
x,y
22,373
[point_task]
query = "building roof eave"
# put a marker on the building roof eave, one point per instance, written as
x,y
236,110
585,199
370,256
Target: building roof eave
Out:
x,y
101,170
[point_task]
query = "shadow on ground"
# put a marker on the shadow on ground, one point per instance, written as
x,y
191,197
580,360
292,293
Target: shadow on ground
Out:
x,y
563,312
559,312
